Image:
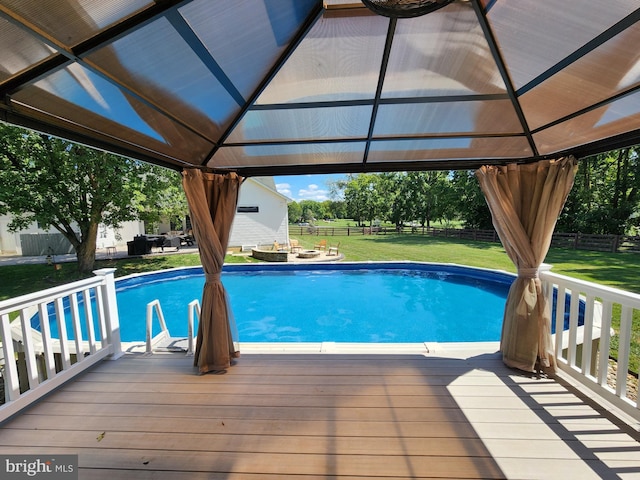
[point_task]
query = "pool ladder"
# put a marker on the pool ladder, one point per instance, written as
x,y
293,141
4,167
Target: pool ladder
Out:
x,y
164,335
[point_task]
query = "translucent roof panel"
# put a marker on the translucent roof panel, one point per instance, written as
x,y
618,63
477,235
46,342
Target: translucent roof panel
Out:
x,y
448,148
303,123
443,53
602,73
264,87
20,50
83,98
71,22
339,59
613,119
246,50
533,36
491,116
294,154
175,79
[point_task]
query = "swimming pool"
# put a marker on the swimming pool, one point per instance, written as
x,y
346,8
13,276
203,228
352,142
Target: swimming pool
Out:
x,y
315,307
401,302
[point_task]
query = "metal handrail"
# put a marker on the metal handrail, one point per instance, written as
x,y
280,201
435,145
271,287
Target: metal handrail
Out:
x,y
194,311
164,331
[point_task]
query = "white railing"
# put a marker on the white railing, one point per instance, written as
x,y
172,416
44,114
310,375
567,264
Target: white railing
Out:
x,y
583,351
164,335
34,362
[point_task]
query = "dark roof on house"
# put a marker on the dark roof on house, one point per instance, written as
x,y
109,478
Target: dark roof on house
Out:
x,y
272,87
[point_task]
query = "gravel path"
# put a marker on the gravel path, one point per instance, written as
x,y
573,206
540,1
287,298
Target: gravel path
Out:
x,y
632,380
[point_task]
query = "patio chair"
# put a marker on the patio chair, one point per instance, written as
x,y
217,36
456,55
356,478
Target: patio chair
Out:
x,y
333,250
294,246
321,245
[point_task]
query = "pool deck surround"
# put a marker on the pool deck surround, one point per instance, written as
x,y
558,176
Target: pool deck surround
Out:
x,y
457,413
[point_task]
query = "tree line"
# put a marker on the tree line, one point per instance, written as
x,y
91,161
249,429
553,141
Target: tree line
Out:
x,y
72,189
605,198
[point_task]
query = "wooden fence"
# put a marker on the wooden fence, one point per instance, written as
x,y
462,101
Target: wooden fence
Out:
x,y
577,241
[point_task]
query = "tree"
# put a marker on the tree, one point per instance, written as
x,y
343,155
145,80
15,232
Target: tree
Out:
x,y
311,210
161,198
396,198
364,198
605,198
73,189
423,192
470,202
294,212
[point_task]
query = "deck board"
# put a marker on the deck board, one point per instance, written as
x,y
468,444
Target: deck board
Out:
x,y
324,416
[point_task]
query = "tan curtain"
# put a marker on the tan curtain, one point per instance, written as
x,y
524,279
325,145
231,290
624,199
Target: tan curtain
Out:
x,y
525,202
212,202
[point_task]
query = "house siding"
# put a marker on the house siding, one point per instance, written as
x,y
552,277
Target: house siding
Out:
x,y
36,241
264,227
269,224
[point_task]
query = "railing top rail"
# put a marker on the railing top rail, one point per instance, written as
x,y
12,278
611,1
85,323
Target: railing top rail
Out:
x,y
610,293
12,304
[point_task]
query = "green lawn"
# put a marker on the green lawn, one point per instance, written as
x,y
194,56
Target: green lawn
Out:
x,y
621,270
347,222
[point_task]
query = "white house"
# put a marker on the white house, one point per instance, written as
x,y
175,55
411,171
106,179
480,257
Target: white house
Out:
x,y
261,218
36,241
262,214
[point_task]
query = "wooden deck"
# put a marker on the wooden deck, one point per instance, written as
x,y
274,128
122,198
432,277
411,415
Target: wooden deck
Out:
x,y
297,416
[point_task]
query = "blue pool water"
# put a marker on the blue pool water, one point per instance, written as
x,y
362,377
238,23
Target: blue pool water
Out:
x,y
346,302
341,303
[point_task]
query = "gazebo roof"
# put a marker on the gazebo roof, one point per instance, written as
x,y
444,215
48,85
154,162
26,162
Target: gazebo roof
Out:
x,y
272,87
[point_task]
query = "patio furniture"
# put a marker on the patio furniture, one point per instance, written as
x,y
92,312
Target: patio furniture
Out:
x,y
187,240
321,245
140,245
278,248
294,246
143,244
334,249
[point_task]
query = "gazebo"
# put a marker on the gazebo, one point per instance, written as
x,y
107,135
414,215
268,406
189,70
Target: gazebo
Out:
x,y
230,89
518,91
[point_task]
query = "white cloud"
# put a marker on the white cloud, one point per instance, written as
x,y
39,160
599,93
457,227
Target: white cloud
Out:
x,y
284,189
313,192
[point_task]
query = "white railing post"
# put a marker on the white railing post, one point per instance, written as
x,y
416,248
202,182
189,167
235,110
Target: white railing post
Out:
x,y
10,374
29,351
111,310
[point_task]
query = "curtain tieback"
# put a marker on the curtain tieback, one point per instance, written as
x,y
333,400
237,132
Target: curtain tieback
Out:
x,y
528,272
212,278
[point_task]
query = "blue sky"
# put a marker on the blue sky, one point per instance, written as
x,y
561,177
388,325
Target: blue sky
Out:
x,y
306,187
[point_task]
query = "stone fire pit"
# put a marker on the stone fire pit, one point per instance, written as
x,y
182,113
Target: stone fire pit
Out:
x,y
308,253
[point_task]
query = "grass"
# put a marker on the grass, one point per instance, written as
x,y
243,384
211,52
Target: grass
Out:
x,y
618,270
346,222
